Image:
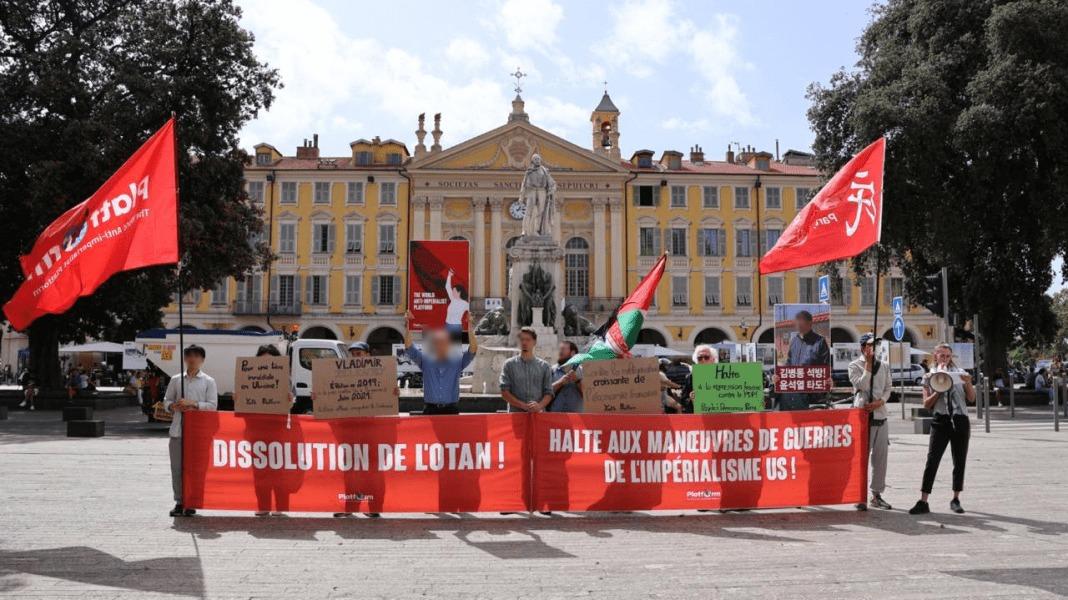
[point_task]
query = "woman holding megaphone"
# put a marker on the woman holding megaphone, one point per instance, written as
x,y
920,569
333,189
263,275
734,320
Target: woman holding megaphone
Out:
x,y
947,391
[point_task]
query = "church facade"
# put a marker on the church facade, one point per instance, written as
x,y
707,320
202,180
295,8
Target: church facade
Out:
x,y
340,227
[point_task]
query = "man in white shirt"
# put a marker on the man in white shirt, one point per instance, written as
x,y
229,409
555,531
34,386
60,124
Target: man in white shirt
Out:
x,y
458,306
871,386
200,393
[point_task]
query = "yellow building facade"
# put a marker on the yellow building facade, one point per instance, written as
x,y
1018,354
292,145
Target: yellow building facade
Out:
x,y
340,226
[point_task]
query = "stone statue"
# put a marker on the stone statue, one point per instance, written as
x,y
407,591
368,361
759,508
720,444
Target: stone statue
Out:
x,y
493,323
538,192
574,323
536,289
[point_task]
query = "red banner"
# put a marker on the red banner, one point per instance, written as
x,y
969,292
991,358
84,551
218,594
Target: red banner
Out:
x,y
465,463
129,223
473,463
438,285
740,460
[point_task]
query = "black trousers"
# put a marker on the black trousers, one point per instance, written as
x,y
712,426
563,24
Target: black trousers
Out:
x,y
954,434
441,409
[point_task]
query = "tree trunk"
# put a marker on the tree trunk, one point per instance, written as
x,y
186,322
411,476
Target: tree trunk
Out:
x,y
44,354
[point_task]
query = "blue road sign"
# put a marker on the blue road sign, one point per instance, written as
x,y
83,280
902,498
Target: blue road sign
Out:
x,y
825,289
899,328
898,303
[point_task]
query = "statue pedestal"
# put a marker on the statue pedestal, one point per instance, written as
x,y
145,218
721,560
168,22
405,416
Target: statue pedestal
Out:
x,y
486,369
536,259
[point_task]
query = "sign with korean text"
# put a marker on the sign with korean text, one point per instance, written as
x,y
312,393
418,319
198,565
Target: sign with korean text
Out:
x,y
802,348
354,387
624,385
728,387
261,385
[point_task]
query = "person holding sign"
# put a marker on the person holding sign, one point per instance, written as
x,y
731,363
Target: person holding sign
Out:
x,y
359,350
526,380
200,393
702,355
441,368
871,388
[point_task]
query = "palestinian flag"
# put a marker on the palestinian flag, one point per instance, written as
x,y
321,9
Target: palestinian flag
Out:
x,y
616,337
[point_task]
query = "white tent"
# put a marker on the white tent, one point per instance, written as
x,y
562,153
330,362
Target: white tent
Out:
x,y
657,351
94,347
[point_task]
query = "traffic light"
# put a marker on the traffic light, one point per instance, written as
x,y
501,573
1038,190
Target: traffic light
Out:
x,y
932,294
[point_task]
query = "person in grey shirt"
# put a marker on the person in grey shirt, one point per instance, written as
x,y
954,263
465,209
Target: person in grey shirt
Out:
x,y
200,394
526,380
567,386
871,386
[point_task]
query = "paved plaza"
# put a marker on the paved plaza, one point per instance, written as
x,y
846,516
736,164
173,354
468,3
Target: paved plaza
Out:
x,y
87,519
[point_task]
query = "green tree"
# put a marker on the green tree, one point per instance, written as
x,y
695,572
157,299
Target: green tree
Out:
x,y
973,99
82,84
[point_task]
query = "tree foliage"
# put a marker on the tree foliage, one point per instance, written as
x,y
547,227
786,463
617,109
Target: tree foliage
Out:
x,y
973,99
83,83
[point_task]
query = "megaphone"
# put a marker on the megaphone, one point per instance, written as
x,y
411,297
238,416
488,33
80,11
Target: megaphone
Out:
x,y
942,382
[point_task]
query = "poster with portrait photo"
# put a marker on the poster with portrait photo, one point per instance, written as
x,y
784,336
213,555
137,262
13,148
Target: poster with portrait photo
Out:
x,y
802,348
439,288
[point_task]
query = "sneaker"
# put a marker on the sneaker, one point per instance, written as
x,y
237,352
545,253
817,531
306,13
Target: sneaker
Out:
x,y
921,508
22,404
31,407
372,515
189,512
878,502
862,507
342,515
954,505
177,511
263,513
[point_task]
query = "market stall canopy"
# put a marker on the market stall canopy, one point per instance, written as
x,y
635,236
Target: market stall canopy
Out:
x,y
107,347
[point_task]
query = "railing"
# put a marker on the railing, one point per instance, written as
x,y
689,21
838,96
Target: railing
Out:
x,y
288,309
250,307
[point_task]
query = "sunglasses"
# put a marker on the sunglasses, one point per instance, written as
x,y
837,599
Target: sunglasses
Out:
x,y
704,357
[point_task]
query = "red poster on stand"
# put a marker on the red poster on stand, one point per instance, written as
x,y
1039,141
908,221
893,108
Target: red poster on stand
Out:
x,y
739,460
465,463
439,290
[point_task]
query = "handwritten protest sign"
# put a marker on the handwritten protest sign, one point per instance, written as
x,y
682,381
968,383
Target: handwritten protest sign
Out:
x,y
728,387
354,387
261,385
626,385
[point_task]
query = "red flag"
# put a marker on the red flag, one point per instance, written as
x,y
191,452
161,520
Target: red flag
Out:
x,y
129,223
842,220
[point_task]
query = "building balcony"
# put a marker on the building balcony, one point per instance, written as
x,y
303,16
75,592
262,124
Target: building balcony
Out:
x,y
353,260
387,260
293,308
287,259
253,307
320,260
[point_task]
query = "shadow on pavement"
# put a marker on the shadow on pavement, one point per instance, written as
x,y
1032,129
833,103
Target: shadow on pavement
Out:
x,y
174,575
517,536
1051,579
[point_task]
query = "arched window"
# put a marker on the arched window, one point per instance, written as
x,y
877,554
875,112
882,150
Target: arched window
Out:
x,y
840,335
577,271
712,335
651,336
318,332
381,340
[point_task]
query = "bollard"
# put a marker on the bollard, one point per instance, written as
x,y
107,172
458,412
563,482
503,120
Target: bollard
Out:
x,y
978,384
1056,413
986,400
1012,399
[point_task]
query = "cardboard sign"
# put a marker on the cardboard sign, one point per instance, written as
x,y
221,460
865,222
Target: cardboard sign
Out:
x,y
802,348
625,385
728,387
354,387
439,285
261,385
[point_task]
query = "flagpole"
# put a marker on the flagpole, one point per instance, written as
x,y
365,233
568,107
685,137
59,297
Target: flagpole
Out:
x,y
178,278
875,330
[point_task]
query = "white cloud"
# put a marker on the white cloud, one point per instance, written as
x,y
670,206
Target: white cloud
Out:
x,y
467,53
647,34
677,124
529,24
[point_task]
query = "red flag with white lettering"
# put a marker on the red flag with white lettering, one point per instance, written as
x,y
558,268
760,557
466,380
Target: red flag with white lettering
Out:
x,y
842,220
129,223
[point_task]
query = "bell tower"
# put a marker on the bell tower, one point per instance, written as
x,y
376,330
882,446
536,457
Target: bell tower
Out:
x,y
605,123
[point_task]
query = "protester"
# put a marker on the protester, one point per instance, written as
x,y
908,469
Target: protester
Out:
x,y
703,354
359,350
671,405
458,306
264,489
1043,384
1001,385
806,348
526,380
871,387
441,367
567,385
200,394
29,394
950,426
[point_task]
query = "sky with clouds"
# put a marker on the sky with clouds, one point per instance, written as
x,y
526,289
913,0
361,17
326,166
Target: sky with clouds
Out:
x,y
702,72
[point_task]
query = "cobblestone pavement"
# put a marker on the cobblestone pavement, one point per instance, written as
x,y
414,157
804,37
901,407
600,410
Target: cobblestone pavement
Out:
x,y
87,519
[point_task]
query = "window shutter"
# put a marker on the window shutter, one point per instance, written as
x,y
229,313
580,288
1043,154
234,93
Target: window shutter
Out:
x,y
375,285
754,249
738,243
396,290
635,196
722,242
847,291
887,291
296,288
274,290
330,237
700,242
241,291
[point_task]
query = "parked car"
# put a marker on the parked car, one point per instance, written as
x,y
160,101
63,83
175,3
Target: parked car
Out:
x,y
910,375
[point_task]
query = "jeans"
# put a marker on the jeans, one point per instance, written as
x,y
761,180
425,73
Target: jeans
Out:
x,y
879,447
955,434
